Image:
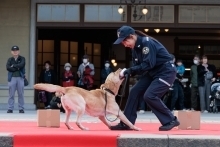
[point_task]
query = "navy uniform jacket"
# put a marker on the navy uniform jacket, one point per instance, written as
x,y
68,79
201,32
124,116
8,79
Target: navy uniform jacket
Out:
x,y
148,54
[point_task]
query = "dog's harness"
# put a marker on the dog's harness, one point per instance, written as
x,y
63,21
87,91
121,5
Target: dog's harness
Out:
x,y
108,90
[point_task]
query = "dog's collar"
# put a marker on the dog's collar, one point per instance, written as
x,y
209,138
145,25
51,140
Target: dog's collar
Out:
x,y
108,90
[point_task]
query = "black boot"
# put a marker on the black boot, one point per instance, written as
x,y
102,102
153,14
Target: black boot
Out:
x,y
119,126
170,125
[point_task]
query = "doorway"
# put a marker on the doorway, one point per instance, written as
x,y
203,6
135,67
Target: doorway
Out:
x,y
60,46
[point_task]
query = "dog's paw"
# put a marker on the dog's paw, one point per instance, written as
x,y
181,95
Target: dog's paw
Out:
x,y
85,129
70,128
137,129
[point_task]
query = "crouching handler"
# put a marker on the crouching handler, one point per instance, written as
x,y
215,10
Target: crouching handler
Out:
x,y
153,61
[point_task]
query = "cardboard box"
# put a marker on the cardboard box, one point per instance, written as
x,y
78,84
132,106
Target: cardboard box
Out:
x,y
189,120
48,118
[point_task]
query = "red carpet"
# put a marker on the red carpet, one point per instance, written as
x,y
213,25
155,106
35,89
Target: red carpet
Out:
x,y
27,134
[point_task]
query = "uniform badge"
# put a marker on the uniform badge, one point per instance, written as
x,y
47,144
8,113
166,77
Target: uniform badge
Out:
x,y
145,50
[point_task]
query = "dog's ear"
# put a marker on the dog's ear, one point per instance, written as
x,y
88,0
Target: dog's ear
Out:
x,y
102,86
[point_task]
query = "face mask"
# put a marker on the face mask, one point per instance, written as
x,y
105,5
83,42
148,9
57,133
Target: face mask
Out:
x,y
67,68
107,65
47,67
195,61
85,60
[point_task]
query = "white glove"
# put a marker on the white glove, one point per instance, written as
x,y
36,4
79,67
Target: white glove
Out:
x,y
122,73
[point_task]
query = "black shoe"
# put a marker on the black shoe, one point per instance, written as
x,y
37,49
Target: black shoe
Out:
x,y
119,126
21,111
48,107
170,125
10,111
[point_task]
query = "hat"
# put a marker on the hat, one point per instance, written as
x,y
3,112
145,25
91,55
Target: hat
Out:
x,y
85,57
15,48
67,65
47,62
123,32
107,61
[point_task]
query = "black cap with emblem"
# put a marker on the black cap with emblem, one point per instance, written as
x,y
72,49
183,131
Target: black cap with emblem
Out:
x,y
124,32
15,48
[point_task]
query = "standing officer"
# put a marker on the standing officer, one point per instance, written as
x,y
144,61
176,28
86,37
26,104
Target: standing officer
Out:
x,y
152,60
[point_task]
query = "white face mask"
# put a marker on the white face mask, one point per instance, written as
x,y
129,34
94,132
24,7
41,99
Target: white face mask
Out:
x,y
195,61
85,61
47,67
67,68
107,65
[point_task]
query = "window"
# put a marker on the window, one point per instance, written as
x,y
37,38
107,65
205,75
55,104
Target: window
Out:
x,y
155,14
57,13
104,13
189,50
211,49
199,14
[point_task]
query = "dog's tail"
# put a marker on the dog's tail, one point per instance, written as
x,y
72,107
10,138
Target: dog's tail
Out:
x,y
50,88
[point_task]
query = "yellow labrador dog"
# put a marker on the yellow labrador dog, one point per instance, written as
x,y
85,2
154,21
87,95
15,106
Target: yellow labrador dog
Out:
x,y
91,102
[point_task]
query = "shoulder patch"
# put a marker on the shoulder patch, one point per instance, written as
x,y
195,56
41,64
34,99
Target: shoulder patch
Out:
x,y
145,50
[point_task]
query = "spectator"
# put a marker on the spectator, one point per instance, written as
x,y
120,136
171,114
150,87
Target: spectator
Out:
x,y
106,71
177,89
67,76
16,73
206,75
55,103
47,75
194,82
85,73
180,67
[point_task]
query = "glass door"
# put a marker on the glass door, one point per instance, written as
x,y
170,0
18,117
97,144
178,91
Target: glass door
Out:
x,y
68,54
93,50
45,52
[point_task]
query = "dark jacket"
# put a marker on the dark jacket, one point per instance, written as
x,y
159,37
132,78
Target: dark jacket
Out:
x,y
18,65
147,55
194,75
105,73
201,72
53,77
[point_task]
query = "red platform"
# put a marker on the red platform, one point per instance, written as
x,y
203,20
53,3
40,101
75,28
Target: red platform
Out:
x,y
27,134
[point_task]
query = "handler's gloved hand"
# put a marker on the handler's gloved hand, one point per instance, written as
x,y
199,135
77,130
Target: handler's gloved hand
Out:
x,y
127,72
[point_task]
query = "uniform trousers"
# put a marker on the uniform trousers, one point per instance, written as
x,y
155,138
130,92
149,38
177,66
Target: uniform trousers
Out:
x,y
152,86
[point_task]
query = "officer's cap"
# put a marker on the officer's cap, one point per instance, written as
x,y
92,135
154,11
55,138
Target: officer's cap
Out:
x,y
123,32
15,48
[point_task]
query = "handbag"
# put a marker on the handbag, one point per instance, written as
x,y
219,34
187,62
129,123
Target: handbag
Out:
x,y
25,82
208,75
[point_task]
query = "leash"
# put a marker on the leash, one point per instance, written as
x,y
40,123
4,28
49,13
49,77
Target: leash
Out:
x,y
122,94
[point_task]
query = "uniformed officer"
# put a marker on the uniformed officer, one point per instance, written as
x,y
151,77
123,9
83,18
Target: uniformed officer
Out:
x,y
154,63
